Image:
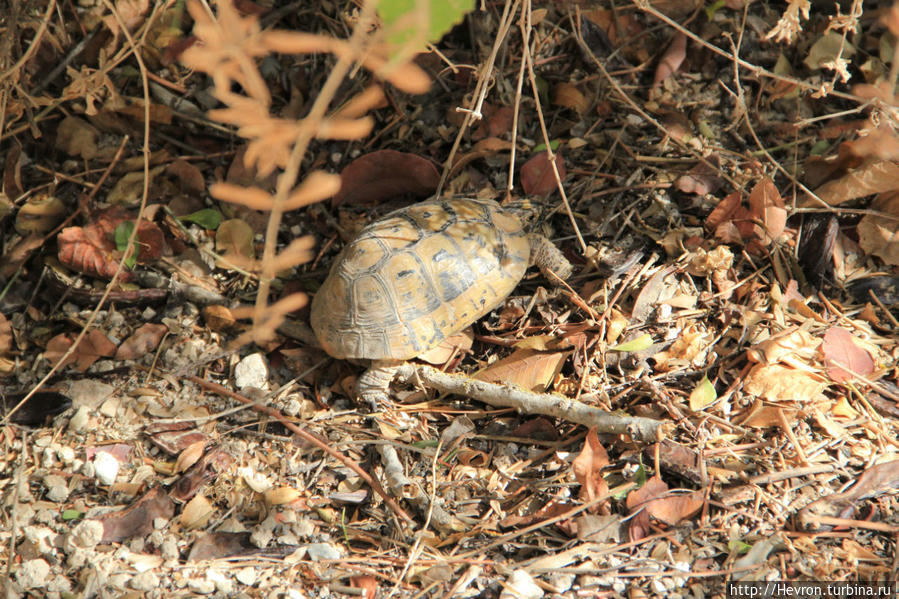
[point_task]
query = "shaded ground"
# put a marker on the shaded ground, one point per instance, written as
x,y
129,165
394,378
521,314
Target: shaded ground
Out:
x,y
732,224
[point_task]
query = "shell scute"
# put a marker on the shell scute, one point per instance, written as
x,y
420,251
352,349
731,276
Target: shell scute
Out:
x,y
417,276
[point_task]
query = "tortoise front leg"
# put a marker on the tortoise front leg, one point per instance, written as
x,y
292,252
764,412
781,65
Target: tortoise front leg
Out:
x,y
548,258
373,385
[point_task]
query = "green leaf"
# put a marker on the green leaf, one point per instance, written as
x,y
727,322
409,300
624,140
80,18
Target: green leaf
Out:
x,y
713,8
738,547
72,514
122,235
554,144
403,25
208,218
642,342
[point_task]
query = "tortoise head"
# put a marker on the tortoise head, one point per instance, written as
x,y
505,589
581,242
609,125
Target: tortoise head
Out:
x,y
529,211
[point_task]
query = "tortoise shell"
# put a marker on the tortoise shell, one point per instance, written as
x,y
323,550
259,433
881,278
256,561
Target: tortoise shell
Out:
x,y
418,275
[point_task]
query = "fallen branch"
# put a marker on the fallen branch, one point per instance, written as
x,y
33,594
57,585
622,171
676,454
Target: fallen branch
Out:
x,y
528,402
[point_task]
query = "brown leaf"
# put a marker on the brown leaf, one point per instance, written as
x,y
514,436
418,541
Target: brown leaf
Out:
x,y
385,174
879,235
702,179
486,147
872,176
78,138
496,122
767,206
776,382
454,345
843,357
93,346
537,177
5,335
137,519
587,466
637,499
190,455
190,178
234,238
568,95
87,250
142,341
675,508
527,368
672,59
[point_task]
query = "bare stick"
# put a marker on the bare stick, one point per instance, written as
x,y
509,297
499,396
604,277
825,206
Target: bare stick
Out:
x,y
528,402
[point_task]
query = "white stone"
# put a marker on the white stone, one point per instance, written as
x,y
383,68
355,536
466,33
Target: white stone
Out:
x,y
521,585
321,551
106,467
252,371
33,573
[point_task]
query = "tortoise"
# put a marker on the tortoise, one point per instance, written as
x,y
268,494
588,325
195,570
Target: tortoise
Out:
x,y
419,275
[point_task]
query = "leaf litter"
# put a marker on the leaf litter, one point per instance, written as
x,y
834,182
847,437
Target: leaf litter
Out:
x,y
725,406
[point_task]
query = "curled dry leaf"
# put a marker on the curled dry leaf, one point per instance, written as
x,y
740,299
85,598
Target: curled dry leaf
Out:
x,y
672,59
537,176
386,174
197,513
39,214
5,335
587,467
795,347
144,340
191,454
844,358
768,210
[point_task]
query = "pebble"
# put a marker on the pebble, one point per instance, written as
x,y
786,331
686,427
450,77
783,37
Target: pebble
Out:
x,y
33,573
246,576
252,371
87,534
80,420
521,586
145,581
321,551
106,468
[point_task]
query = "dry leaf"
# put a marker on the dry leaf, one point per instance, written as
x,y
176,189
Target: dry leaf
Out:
x,y
93,346
234,239
845,359
879,235
189,456
672,58
385,174
587,466
537,177
776,382
569,96
39,214
526,368
767,206
141,342
77,137
197,513
872,176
